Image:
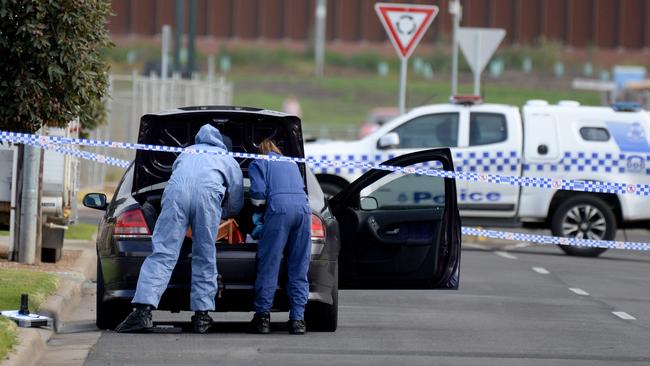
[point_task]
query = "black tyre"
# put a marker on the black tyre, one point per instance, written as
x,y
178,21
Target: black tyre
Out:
x,y
330,189
321,317
584,217
108,315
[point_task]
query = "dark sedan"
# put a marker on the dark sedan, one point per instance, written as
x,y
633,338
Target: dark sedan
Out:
x,y
385,230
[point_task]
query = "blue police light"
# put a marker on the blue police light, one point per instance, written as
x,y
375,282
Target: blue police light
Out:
x,y
626,107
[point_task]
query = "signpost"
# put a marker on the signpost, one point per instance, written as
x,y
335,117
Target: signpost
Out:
x,y
405,25
478,46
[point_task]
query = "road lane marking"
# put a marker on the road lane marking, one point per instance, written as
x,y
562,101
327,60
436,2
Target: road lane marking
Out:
x,y
504,254
579,291
541,270
623,315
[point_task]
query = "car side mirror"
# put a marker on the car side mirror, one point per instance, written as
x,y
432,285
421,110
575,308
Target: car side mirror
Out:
x,y
390,139
96,201
368,203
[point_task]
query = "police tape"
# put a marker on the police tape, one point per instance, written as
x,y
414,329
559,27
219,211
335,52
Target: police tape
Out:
x,y
555,240
536,182
469,231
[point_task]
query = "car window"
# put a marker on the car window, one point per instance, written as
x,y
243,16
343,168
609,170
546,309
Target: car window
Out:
x,y
401,190
594,134
487,128
432,130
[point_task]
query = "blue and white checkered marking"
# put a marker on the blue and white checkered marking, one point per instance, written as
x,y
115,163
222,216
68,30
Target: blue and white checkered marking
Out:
x,y
340,162
555,240
56,143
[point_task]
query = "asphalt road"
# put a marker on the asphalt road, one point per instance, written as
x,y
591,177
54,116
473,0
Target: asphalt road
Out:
x,y
517,305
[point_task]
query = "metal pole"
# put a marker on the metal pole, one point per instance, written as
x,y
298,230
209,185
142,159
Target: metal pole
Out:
x,y
477,73
456,10
319,37
402,87
178,33
29,205
164,57
191,40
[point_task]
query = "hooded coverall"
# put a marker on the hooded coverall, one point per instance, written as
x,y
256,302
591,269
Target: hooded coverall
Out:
x,y
287,229
195,196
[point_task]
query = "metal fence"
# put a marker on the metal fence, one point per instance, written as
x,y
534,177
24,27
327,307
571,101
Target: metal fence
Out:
x,y
130,97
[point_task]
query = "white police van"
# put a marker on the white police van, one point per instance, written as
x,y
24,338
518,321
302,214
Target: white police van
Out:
x,y
564,141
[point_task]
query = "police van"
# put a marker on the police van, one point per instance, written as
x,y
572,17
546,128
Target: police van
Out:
x,y
563,141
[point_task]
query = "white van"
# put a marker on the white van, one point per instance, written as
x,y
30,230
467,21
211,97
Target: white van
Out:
x,y
564,141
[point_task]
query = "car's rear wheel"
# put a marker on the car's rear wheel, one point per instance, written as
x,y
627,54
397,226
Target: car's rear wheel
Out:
x,y
321,317
108,315
584,217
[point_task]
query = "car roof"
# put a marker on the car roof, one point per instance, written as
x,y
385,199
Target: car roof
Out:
x,y
219,108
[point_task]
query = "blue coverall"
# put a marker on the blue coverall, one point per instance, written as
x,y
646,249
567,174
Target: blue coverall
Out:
x,y
193,197
287,229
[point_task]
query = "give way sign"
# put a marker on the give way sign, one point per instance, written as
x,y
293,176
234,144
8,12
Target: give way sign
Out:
x,y
405,24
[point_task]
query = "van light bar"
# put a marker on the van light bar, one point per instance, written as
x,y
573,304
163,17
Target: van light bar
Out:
x,y
626,106
466,99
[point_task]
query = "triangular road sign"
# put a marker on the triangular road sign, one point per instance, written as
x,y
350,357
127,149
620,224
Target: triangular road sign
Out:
x,y
479,44
405,24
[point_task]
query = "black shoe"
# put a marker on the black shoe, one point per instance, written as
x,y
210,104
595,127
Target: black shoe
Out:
x,y
261,323
138,321
297,327
201,322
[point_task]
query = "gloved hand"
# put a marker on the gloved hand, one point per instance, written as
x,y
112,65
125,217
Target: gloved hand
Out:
x,y
257,231
258,218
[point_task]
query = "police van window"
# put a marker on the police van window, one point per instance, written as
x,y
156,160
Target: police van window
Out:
x,y
594,134
487,128
433,130
399,191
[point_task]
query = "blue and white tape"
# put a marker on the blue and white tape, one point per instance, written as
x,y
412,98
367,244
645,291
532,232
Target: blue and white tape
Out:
x,y
57,144
538,182
555,240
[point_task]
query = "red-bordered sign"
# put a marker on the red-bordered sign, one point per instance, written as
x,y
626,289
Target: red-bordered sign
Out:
x,y
405,24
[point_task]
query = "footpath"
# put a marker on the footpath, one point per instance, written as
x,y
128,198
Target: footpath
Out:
x,y
76,285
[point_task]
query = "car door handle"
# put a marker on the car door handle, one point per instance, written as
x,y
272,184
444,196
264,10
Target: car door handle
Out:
x,y
392,232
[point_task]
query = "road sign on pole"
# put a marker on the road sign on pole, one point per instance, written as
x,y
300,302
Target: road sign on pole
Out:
x,y
478,46
405,25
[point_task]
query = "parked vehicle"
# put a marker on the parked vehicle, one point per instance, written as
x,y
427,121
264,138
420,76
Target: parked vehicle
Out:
x,y
377,118
361,238
563,141
59,194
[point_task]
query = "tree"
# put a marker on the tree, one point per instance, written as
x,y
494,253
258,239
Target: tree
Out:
x,y
51,64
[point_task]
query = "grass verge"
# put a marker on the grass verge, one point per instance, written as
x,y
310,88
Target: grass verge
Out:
x,y
13,282
80,231
77,232
8,334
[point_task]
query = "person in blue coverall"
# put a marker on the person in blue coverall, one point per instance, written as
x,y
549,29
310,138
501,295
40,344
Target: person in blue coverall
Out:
x,y
202,189
283,225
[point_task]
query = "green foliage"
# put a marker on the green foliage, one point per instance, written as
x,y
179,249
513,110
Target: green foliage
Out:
x,y
52,69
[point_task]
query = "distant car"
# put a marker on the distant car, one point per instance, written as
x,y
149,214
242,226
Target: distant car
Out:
x,y
364,237
376,118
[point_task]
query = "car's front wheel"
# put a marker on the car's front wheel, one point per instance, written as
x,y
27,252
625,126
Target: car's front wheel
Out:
x,y
584,217
108,315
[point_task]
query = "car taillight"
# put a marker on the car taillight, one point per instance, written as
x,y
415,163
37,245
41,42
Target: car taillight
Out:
x,y
317,228
131,222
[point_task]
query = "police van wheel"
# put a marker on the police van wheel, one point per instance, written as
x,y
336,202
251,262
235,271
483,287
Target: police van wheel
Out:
x,y
584,217
330,189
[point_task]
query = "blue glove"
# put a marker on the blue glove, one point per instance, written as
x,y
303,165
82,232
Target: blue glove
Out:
x,y
257,231
257,218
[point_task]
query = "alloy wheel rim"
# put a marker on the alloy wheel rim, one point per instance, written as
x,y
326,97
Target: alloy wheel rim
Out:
x,y
584,222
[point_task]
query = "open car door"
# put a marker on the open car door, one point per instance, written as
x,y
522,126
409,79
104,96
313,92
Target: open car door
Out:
x,y
399,229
